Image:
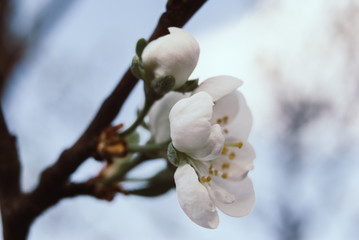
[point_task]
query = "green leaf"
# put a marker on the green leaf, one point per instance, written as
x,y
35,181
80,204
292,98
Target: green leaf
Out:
x,y
189,86
141,44
163,85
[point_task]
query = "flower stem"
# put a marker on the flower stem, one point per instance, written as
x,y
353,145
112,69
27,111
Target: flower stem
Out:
x,y
148,147
139,120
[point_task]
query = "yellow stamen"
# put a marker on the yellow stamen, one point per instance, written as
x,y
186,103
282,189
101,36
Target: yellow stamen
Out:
x,y
225,165
224,151
203,179
211,171
219,121
225,131
225,119
231,156
237,144
224,175
209,179
216,172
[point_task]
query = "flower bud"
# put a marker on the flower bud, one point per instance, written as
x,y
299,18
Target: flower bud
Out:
x,y
175,54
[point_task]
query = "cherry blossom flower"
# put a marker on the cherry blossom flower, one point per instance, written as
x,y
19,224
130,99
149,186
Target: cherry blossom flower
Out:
x,y
210,131
175,54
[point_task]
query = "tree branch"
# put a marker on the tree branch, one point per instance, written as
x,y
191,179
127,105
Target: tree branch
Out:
x,y
9,163
54,185
9,176
177,14
94,188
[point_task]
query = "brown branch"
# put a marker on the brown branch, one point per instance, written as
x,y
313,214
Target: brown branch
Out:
x,y
9,163
177,14
9,176
54,182
93,187
10,52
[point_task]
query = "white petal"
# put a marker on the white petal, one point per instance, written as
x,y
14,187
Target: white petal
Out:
x,y
219,194
236,163
228,106
189,122
219,86
244,197
174,54
241,125
213,148
239,118
159,121
194,199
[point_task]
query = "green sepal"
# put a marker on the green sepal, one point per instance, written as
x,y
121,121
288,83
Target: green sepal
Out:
x,y
159,184
189,86
173,155
141,44
163,85
137,68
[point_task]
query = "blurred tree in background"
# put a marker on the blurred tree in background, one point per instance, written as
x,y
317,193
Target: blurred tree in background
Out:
x,y
299,61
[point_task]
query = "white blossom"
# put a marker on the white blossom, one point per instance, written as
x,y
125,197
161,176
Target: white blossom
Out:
x,y
175,54
210,129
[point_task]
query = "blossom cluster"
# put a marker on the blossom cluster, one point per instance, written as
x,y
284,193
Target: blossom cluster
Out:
x,y
208,129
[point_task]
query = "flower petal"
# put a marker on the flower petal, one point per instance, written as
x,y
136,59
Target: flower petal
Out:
x,y
194,199
219,194
159,121
213,147
219,86
226,109
189,122
174,54
244,197
191,130
235,162
240,126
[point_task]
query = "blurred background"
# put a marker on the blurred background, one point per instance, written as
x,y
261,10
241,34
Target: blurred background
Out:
x,y
300,64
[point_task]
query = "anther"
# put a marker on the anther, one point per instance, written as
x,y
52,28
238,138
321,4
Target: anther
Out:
x,y
203,179
224,151
225,119
219,121
225,165
224,175
209,179
225,131
231,156
216,172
